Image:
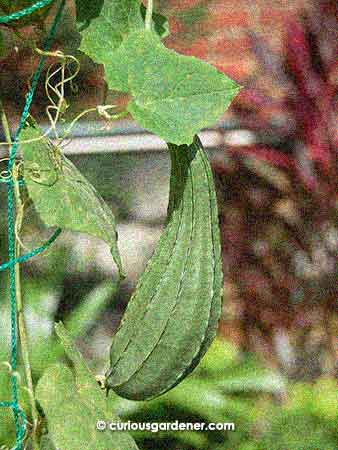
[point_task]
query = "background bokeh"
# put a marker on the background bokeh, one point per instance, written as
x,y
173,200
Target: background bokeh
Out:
x,y
273,369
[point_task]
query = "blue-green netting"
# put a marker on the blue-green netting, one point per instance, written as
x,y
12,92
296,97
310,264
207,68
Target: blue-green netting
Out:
x,y
19,416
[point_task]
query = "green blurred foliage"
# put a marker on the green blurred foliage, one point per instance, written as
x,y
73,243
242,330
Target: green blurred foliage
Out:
x,y
309,419
268,413
227,386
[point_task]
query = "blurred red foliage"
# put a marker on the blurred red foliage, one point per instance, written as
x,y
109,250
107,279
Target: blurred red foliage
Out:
x,y
278,201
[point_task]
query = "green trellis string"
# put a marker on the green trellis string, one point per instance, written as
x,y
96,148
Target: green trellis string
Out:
x,y
30,255
20,428
25,12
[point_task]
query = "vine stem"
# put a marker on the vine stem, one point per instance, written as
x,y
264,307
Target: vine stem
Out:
x,y
149,14
20,310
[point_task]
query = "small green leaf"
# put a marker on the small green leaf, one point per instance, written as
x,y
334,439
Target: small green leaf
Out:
x,y
173,96
62,195
84,379
106,33
71,419
73,406
87,10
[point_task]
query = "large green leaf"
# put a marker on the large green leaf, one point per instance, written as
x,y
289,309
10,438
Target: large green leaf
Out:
x,y
173,96
74,405
61,194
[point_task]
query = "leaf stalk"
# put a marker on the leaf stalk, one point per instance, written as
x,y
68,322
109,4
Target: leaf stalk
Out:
x,y
149,14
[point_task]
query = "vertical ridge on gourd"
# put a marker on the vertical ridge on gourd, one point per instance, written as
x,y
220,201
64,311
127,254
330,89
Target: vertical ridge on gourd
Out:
x,y
172,317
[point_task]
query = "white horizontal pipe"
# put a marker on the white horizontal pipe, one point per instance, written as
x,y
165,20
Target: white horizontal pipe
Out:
x,y
149,142
143,142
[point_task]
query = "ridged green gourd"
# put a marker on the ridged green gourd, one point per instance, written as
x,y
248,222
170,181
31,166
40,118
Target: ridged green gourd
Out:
x,y
172,317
